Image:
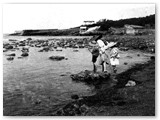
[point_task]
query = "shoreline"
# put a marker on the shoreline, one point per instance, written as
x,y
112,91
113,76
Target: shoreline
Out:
x,y
117,95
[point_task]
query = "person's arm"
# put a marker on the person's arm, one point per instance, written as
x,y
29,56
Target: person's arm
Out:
x,y
90,49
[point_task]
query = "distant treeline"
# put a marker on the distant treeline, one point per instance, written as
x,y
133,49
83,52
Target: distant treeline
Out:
x,y
148,21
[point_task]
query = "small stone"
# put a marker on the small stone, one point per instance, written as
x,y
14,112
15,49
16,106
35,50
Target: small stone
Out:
x,y
75,97
125,63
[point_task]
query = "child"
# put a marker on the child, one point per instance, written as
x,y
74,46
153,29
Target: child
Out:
x,y
114,56
95,54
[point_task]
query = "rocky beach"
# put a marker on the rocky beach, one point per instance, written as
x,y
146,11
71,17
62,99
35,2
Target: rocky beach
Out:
x,y
50,77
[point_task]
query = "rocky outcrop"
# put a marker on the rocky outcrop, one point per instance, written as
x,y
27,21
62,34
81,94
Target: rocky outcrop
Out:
x,y
90,77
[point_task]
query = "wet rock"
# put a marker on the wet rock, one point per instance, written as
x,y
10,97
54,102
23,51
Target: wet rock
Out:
x,y
22,44
40,50
125,63
73,109
124,49
24,54
46,49
12,54
19,57
9,47
59,50
75,97
152,57
29,38
138,55
57,58
5,50
10,58
90,77
129,56
75,50
12,40
25,49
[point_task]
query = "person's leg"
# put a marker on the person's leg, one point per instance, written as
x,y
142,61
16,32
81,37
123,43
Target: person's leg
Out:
x,y
94,68
94,59
104,66
114,68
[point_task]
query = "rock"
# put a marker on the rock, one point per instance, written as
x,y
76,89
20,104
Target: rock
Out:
x,y
5,50
125,63
9,47
124,49
131,83
24,54
40,50
152,57
10,58
90,77
12,40
129,56
59,50
12,54
29,38
22,44
19,57
57,58
75,97
46,49
25,49
138,55
75,50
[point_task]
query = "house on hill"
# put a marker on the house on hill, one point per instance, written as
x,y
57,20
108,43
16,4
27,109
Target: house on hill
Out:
x,y
132,29
116,31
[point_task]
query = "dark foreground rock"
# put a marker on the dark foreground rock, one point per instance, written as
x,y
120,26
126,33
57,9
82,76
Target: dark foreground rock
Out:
x,y
90,77
56,58
24,54
118,100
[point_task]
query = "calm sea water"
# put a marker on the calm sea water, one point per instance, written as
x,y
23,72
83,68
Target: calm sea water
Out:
x,y
35,85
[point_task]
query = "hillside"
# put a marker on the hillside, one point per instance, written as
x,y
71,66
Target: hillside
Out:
x,y
147,22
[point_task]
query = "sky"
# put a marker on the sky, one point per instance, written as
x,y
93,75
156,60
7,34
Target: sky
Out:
x,y
62,16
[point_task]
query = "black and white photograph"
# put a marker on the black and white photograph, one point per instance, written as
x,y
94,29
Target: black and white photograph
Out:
x,y
78,59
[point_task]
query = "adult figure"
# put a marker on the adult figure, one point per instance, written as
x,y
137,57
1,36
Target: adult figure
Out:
x,y
103,53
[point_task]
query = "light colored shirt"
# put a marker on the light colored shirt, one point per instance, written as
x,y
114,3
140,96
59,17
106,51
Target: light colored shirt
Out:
x,y
102,46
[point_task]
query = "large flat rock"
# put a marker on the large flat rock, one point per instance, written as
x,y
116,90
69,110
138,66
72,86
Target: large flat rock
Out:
x,y
90,77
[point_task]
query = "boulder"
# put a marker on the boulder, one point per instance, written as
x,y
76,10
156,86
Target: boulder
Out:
x,y
57,58
10,58
24,54
9,47
90,77
12,54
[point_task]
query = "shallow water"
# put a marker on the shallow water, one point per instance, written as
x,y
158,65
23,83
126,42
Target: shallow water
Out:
x,y
35,85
